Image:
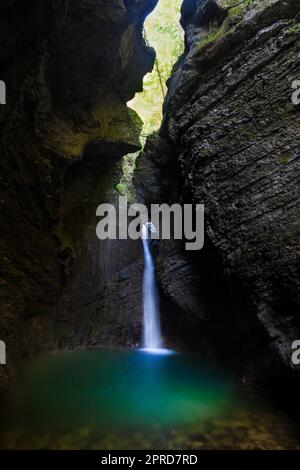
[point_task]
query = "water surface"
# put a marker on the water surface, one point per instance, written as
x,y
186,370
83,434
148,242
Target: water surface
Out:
x,y
107,399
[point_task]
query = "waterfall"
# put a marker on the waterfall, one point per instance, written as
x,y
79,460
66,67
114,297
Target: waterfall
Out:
x,y
152,331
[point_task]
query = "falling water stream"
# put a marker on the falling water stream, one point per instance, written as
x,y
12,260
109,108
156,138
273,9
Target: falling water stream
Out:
x,y
152,329
135,399
130,399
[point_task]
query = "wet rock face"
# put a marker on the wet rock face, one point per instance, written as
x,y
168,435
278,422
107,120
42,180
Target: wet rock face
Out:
x,y
70,67
235,136
117,318
153,174
202,13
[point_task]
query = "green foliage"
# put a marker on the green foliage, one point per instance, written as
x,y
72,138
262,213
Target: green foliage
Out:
x,y
121,188
295,28
237,9
214,35
164,33
125,186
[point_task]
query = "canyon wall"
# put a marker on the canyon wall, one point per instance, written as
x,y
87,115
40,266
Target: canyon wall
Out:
x,y
69,67
230,139
231,134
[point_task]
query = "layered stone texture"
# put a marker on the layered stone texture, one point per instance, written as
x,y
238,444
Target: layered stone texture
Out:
x,y
234,136
70,67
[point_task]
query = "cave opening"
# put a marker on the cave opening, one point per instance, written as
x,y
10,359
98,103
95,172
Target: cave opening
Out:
x,y
163,33
92,386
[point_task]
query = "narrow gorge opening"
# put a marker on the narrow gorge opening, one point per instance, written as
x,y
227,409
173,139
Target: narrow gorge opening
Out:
x,y
162,32
80,314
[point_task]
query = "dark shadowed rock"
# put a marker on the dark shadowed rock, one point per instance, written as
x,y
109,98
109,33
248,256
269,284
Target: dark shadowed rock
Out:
x,y
234,133
70,67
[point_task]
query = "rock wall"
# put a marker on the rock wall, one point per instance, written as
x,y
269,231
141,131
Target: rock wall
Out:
x,y
70,67
233,135
230,140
